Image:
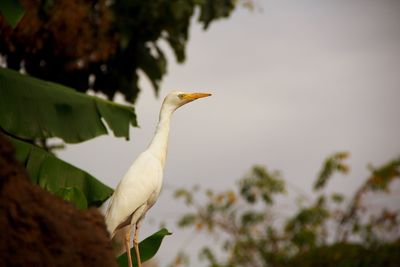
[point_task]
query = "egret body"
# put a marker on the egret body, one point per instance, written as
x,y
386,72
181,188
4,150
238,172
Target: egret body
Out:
x,y
139,189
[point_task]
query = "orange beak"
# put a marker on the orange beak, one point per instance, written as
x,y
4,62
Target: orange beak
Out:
x,y
194,96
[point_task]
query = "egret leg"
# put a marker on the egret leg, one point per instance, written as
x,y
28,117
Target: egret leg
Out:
x,y
136,244
127,247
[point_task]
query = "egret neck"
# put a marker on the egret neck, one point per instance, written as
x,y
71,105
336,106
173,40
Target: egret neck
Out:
x,y
159,144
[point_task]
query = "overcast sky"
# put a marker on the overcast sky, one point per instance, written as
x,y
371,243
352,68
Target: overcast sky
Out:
x,y
291,84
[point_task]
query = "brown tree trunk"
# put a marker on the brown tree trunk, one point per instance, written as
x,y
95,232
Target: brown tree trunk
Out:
x,y
39,229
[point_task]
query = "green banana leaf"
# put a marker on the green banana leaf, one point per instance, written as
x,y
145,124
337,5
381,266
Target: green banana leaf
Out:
x,y
59,177
147,248
31,108
73,195
12,11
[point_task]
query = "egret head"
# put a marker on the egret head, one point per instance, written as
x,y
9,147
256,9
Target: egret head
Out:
x,y
177,99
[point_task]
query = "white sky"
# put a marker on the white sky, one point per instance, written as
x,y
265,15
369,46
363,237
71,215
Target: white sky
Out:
x,y
291,85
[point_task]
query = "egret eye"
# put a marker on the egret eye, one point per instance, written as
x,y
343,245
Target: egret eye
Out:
x,y
181,96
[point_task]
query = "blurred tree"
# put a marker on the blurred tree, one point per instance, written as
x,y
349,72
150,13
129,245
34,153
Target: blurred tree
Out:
x,y
327,232
102,44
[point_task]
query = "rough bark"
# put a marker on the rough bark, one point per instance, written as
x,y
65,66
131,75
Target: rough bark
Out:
x,y
39,229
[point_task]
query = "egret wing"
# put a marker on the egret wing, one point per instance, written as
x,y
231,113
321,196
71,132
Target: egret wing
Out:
x,y
134,190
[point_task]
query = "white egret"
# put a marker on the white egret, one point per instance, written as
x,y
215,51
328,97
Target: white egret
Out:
x,y
138,190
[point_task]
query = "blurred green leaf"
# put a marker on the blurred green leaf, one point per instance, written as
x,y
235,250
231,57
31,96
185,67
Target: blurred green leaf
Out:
x,y
260,183
153,64
148,248
187,220
331,164
12,11
31,108
305,238
54,174
382,177
312,216
207,253
73,195
214,9
185,194
251,217
337,198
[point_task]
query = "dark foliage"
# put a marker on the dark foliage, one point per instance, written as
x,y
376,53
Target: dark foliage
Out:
x,y
68,41
349,255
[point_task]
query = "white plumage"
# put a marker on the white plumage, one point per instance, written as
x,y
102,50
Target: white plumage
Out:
x,y
131,194
139,189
